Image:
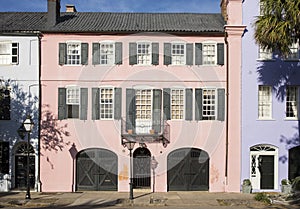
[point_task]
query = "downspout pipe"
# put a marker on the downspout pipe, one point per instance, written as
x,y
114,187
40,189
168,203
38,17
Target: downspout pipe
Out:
x,y
227,108
39,115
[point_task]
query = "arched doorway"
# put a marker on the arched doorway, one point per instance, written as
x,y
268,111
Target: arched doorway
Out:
x,y
294,162
21,166
188,170
141,168
96,170
264,166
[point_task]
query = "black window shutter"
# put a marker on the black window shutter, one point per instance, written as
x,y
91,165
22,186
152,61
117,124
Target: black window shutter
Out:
x,y
220,55
221,104
198,54
155,53
198,104
62,53
118,104
130,109
4,157
84,53
62,106
95,104
83,103
167,103
96,54
118,53
189,104
167,54
5,104
156,113
132,53
189,54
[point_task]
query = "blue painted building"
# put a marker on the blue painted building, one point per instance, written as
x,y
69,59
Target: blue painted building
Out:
x,y
270,110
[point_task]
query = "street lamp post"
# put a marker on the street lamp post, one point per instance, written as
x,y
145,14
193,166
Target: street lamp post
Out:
x,y
130,146
28,125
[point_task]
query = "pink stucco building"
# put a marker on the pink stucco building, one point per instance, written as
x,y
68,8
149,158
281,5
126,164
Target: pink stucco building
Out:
x,y
168,82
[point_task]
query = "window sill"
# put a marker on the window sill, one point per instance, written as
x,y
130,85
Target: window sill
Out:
x,y
291,60
265,60
291,119
265,119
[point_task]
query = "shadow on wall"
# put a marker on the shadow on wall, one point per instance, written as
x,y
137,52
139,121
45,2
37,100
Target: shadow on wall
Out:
x,y
279,74
52,134
21,104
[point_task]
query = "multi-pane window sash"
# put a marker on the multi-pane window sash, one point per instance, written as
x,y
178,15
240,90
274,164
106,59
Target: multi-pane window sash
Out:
x,y
209,54
177,103
73,53
106,103
294,50
209,104
9,53
265,54
143,53
264,102
292,102
73,101
143,104
178,54
107,54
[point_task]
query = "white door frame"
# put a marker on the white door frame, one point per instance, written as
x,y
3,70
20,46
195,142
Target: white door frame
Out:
x,y
255,152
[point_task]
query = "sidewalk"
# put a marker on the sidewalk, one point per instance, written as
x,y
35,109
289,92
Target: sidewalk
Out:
x,y
102,199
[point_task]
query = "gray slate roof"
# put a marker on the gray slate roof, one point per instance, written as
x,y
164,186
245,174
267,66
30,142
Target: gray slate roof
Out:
x,y
83,22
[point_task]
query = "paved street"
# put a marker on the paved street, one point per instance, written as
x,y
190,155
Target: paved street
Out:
x,y
118,200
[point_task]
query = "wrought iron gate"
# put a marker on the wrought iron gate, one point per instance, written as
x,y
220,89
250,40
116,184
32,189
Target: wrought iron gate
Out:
x,y
21,167
96,170
141,168
188,170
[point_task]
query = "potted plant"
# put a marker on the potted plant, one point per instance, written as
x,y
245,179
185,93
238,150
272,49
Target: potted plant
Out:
x,y
246,186
286,186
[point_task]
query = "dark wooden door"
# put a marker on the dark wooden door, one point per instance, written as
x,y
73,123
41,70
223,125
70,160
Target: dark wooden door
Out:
x,y
141,168
266,167
188,170
96,170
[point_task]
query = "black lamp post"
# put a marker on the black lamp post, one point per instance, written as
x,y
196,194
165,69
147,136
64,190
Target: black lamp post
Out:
x,y
130,146
28,126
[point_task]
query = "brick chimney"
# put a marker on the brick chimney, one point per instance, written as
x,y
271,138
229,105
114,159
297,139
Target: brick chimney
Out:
x,y
70,8
53,12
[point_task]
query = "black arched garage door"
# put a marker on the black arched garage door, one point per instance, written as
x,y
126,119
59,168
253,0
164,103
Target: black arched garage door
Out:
x,y
188,170
96,170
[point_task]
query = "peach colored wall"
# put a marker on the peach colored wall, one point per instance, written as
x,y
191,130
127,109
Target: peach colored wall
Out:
x,y
234,30
56,165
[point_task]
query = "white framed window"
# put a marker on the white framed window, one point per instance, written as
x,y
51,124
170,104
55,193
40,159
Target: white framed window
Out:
x,y
143,103
73,101
9,53
209,53
209,104
177,103
294,50
265,54
264,102
178,53
261,8
107,53
106,103
73,53
291,111
143,53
